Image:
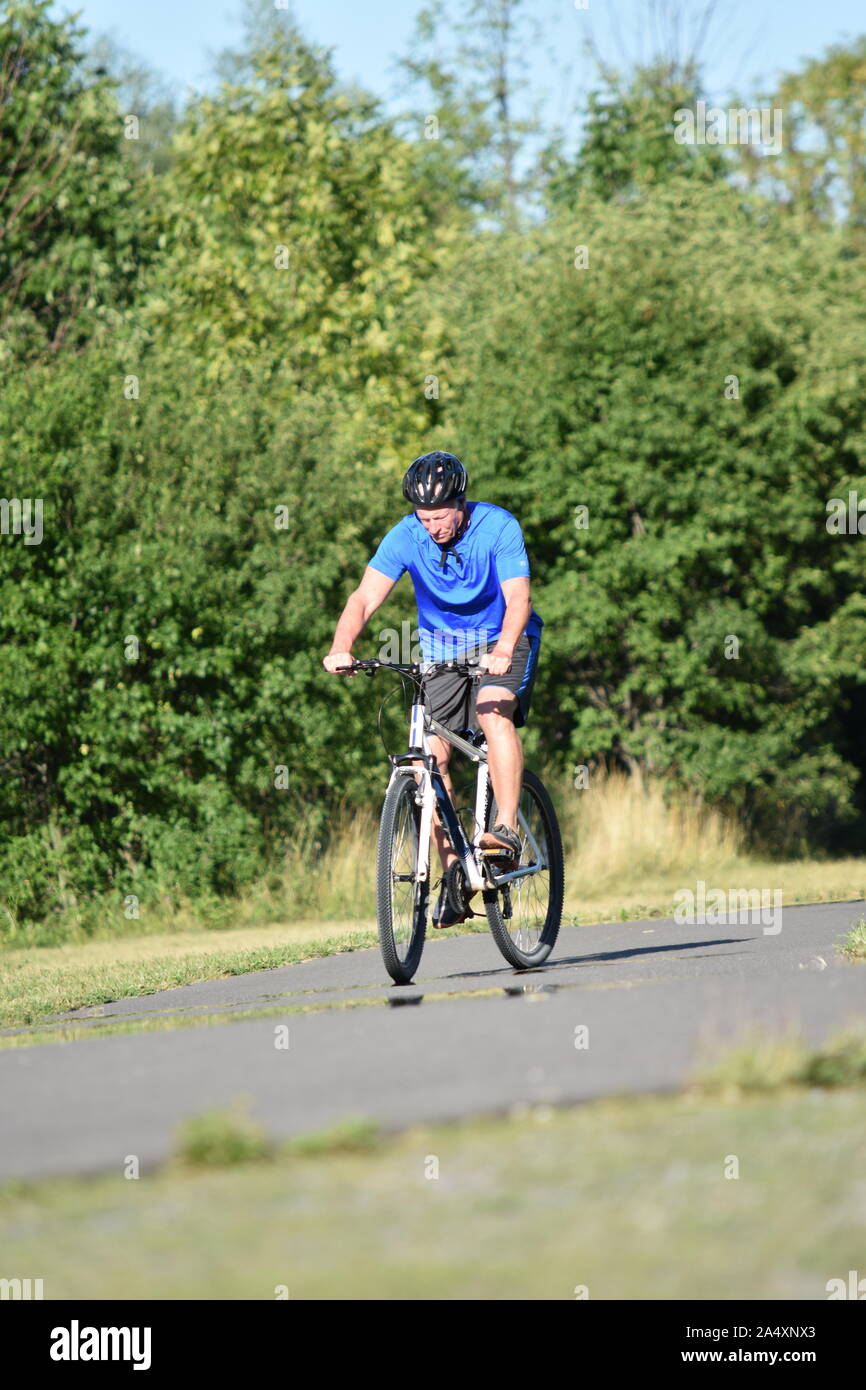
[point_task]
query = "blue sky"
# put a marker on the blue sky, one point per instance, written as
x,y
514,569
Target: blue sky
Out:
x,y
751,40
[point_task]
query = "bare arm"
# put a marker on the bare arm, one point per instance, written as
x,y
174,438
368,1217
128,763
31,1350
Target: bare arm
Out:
x,y
370,594
518,608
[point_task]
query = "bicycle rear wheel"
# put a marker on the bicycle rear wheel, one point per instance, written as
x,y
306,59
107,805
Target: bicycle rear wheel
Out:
x,y
401,901
525,915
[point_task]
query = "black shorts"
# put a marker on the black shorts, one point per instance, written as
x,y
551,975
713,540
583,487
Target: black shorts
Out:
x,y
451,697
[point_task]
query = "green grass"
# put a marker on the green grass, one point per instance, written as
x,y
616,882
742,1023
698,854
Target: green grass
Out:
x,y
764,1063
36,982
854,945
219,1138
354,1134
627,1197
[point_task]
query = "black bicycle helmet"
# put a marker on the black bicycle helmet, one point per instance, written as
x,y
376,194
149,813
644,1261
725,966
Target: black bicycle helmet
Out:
x,y
433,479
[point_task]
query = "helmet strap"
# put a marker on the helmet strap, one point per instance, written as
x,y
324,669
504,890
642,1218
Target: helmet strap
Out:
x,y
458,534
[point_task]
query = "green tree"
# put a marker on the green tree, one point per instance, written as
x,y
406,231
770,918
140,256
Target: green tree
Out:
x,y
168,630
142,94
628,142
821,169
67,219
292,228
474,112
694,386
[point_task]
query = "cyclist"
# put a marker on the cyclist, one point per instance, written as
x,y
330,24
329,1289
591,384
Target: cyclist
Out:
x,y
470,570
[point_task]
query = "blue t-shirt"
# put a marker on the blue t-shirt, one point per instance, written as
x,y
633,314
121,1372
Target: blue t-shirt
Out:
x,y
460,606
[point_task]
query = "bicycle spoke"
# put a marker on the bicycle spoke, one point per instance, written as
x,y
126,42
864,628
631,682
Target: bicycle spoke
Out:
x,y
534,899
404,884
529,895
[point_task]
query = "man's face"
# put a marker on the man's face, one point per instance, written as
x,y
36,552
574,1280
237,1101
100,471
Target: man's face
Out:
x,y
441,522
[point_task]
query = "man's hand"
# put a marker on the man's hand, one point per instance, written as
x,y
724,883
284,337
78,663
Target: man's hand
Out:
x,y
334,660
497,662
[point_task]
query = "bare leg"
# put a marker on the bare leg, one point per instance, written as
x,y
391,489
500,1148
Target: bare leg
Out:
x,y
442,752
495,708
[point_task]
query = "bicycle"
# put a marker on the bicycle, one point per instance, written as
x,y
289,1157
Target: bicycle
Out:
x,y
523,903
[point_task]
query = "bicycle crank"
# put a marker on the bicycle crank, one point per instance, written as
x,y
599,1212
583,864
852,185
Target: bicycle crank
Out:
x,y
456,890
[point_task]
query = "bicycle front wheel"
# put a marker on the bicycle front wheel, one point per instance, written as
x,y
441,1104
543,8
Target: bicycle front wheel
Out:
x,y
525,914
401,901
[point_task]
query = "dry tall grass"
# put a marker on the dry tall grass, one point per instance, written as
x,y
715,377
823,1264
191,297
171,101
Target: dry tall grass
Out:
x,y
630,844
622,836
624,831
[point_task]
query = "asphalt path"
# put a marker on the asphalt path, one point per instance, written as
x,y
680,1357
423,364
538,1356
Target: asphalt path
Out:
x,y
620,1008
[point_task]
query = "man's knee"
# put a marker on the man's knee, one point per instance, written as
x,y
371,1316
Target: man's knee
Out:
x,y
441,752
495,710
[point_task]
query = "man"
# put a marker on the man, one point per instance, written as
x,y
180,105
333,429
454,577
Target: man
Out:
x,y
471,575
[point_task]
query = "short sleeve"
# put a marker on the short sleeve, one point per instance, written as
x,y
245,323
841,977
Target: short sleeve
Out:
x,y
390,558
512,561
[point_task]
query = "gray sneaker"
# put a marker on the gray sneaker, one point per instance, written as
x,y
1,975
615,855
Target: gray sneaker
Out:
x,y
502,842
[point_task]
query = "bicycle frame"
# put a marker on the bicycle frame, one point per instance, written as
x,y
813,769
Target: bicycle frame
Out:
x,y
434,794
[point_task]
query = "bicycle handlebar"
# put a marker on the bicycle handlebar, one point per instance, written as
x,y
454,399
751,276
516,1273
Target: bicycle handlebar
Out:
x,y
414,670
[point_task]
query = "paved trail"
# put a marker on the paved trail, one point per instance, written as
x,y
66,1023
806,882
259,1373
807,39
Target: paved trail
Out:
x,y
470,1035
